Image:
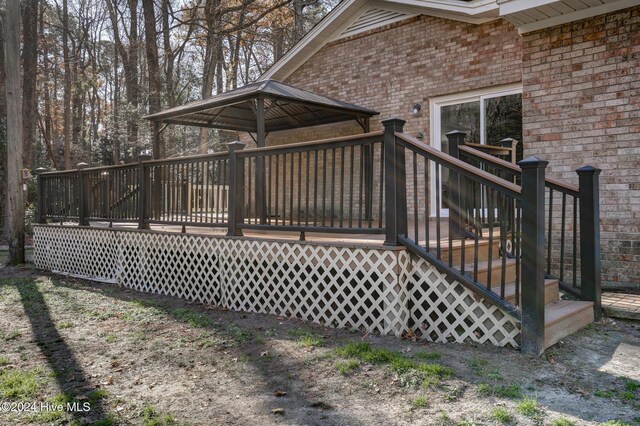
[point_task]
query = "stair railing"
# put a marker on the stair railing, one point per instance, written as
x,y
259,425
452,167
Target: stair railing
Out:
x,y
413,168
574,221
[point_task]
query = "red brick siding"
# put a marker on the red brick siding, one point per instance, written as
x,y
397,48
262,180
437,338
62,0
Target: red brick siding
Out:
x,y
581,105
392,68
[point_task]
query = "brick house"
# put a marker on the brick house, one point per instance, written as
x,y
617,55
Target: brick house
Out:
x,y
563,77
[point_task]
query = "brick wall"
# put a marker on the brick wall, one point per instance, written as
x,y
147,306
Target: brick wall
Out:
x,y
394,67
390,69
581,105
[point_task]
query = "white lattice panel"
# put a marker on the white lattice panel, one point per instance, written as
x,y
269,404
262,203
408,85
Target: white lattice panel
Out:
x,y
90,253
336,286
180,265
369,289
444,311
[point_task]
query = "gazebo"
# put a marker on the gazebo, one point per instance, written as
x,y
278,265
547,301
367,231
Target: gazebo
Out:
x,y
260,108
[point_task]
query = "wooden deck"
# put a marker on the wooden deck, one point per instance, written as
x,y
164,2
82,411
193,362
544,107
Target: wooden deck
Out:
x,y
317,237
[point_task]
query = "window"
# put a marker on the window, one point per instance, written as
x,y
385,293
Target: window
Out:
x,y
486,117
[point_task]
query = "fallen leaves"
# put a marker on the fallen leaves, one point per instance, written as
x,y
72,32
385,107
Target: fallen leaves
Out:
x,y
278,411
279,393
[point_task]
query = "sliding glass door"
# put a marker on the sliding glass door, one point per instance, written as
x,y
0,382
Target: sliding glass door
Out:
x,y
486,117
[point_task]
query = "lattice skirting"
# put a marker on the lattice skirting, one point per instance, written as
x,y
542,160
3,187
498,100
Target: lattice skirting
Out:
x,y
372,289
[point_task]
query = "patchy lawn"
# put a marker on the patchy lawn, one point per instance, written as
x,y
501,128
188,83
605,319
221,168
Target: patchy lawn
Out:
x,y
137,358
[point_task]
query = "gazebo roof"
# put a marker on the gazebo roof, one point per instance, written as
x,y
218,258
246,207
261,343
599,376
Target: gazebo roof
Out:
x,y
285,107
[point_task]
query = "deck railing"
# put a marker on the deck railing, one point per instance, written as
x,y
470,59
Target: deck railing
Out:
x,y
378,182
572,237
321,186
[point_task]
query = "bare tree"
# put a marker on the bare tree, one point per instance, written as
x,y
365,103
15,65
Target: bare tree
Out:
x,y
29,68
15,195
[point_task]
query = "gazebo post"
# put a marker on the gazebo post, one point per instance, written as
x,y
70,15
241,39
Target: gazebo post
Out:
x,y
368,172
155,147
261,136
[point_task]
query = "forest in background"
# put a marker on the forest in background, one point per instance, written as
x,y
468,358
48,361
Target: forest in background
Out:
x,y
91,69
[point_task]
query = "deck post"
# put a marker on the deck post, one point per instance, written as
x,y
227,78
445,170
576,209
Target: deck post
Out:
x,y
143,188
454,189
589,188
395,189
236,189
83,195
511,145
533,273
42,217
260,173
368,173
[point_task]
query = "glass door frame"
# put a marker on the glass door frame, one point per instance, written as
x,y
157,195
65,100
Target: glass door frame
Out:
x,y
435,105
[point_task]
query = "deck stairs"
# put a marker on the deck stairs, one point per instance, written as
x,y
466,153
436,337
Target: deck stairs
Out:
x,y
562,316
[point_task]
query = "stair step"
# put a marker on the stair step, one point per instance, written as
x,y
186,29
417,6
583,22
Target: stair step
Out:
x,y
565,317
551,291
469,250
496,271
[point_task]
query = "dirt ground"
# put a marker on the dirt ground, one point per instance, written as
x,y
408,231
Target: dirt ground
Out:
x,y
136,358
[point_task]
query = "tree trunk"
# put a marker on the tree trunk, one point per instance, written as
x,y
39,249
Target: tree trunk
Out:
x,y
67,85
4,226
29,69
15,194
153,65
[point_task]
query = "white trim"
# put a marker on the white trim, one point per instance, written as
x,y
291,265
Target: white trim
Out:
x,y
435,104
514,6
377,23
577,15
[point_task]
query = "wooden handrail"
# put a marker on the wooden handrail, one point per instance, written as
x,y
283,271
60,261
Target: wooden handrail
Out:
x,y
459,165
514,168
363,138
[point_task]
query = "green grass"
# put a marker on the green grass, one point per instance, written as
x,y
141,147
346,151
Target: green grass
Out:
x,y
632,385
419,373
528,407
501,415
4,361
111,338
18,384
478,363
65,324
604,393
614,423
562,421
513,391
150,417
306,338
193,318
346,367
419,402
428,356
52,416
627,395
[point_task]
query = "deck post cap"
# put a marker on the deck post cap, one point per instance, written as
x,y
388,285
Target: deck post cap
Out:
x,y
533,162
82,165
235,146
394,121
456,132
508,142
144,157
588,170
